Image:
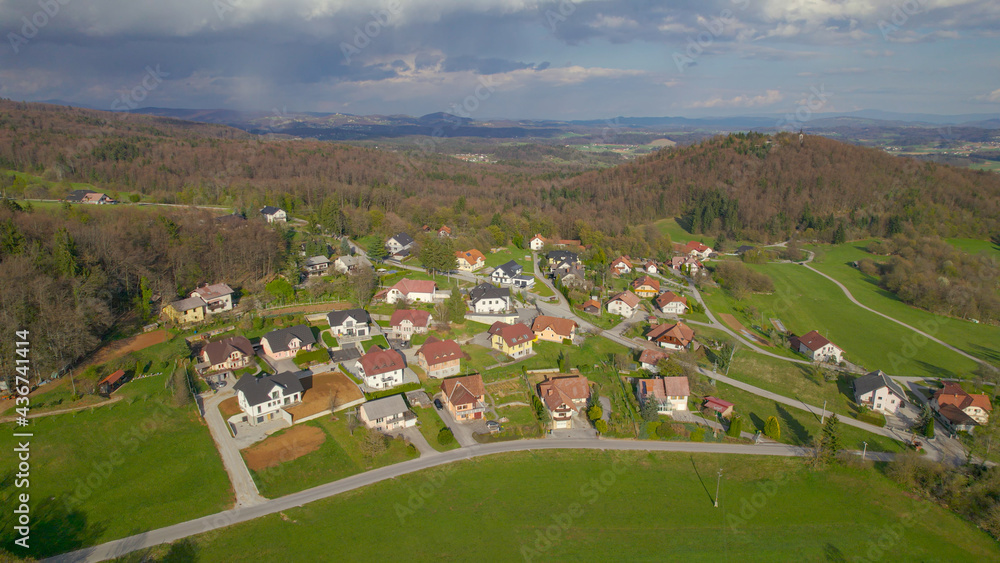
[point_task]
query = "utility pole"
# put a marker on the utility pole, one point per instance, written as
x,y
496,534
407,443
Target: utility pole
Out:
x,y
717,484
822,419
865,452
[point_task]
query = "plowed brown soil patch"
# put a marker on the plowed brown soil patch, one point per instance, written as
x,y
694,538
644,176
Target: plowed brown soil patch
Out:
x,y
296,442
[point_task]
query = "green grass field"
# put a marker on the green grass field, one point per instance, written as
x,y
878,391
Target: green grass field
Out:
x,y
974,246
805,301
603,506
979,340
494,259
430,424
593,351
114,471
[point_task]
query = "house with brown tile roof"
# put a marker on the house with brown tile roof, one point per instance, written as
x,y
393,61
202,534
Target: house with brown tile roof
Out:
x,y
646,287
381,369
404,323
218,297
553,329
622,265
671,303
624,304
649,358
113,381
975,406
440,358
817,347
470,260
696,249
564,397
670,393
229,353
465,397
676,336
444,231
592,306
514,340
414,291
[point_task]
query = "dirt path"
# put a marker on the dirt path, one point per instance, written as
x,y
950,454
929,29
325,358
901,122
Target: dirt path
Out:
x,y
63,411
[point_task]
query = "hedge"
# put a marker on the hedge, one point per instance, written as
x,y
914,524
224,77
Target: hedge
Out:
x,y
394,391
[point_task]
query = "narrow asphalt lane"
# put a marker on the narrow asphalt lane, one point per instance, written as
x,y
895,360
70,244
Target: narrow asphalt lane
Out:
x,y
236,468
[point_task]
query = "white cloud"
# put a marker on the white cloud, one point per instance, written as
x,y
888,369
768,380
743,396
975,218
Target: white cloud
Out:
x,y
992,97
767,98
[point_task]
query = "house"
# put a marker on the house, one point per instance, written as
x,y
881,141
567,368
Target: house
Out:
x,y
675,336
487,298
504,273
671,303
351,264
350,322
274,214
218,297
414,291
624,304
536,243
399,245
562,261
440,358
514,340
316,265
686,265
574,278
229,353
553,329
262,398
470,260
190,310
817,348
622,266
975,406
744,249
878,392
646,287
404,323
113,381
695,249
564,397
444,231
592,306
381,369
724,409
649,359
651,267
957,419
387,414
670,393
286,342
89,197
465,397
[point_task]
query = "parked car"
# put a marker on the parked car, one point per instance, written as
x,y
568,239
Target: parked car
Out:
x,y
437,404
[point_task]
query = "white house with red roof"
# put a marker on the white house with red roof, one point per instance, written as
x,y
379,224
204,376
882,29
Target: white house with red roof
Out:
x,y
817,347
670,393
671,303
564,397
622,266
695,249
624,304
649,358
952,397
414,291
404,323
381,369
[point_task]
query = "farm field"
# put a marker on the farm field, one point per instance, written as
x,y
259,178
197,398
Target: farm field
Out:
x,y
980,340
817,514
114,471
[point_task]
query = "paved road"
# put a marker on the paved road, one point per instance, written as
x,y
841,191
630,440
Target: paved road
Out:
x,y
884,316
176,532
246,490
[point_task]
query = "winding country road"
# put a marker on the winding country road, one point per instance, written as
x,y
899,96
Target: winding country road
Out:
x,y
182,530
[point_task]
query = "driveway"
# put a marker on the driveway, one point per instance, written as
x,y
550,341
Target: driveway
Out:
x,y
243,485
462,430
416,438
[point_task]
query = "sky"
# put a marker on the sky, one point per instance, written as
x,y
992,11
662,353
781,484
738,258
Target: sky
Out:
x,y
527,59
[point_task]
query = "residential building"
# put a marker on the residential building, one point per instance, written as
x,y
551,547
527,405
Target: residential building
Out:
x,y
350,322
470,260
676,336
670,393
414,291
89,197
553,329
274,214
514,340
686,265
649,359
624,304
562,261
651,267
646,287
744,249
817,347
404,323
286,342
622,266
695,249
234,352
722,408
184,311
263,398
465,397
440,358
564,397
488,298
381,369
387,414
536,243
574,278
592,306
879,393
444,231
218,297
399,245
350,264
975,406
671,303
504,273
113,381
316,265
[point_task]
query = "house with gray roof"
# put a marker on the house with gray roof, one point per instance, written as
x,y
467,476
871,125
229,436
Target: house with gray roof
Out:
x,y
349,264
879,392
387,414
274,214
399,245
286,342
488,298
350,322
263,398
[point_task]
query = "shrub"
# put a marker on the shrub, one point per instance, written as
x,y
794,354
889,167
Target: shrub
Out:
x,y
652,427
772,429
665,430
735,427
601,426
929,429
445,436
595,412
698,435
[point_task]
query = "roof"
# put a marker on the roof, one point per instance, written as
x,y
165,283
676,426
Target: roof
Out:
x,y
514,334
472,256
445,229
463,390
695,245
220,350
378,361
257,390
213,291
279,339
488,291
384,407
677,331
402,238
348,261
627,297
592,303
188,304
814,340
668,297
651,356
622,260
877,380
76,195
417,317
563,391
112,378
269,210
440,351
562,256
337,318
511,268
561,326
956,416
953,394
646,280
663,387
317,260
744,248
717,405
407,286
